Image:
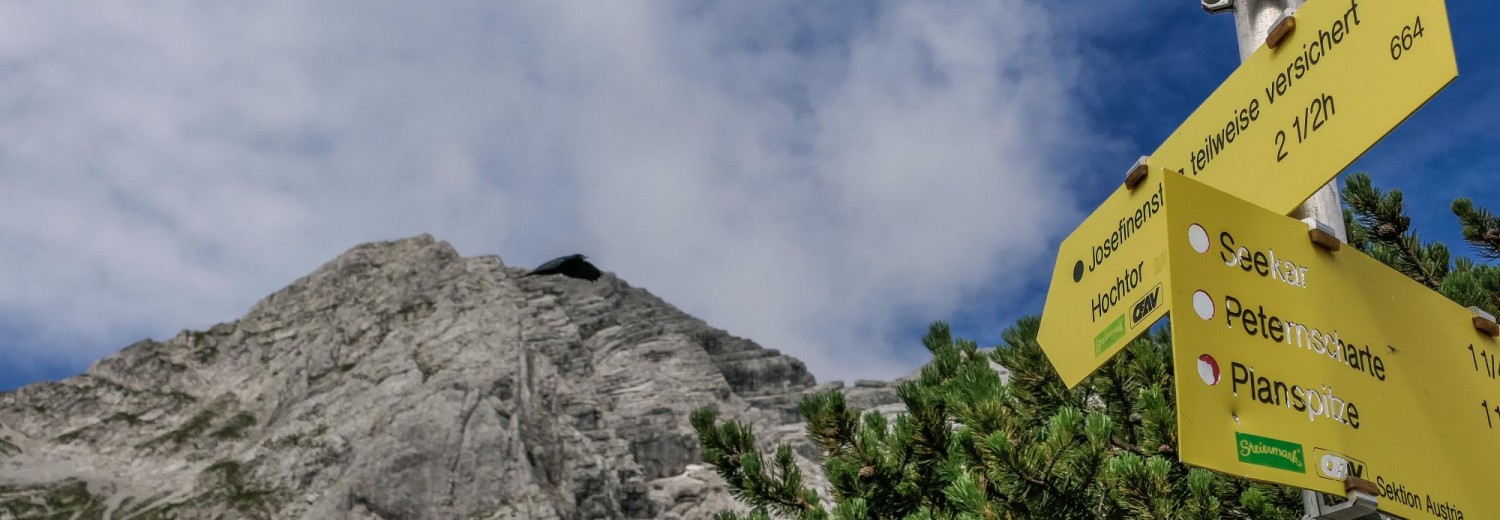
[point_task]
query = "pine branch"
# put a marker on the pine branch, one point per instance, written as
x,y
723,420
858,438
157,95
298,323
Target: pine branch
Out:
x,y
830,423
1116,388
1385,232
730,448
1481,229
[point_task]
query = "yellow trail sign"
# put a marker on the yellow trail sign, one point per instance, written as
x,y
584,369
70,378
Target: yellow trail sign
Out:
x,y
1110,281
1300,366
1289,119
1281,126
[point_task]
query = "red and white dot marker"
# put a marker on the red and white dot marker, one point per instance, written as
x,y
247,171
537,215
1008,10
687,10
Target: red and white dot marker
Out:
x,y
1208,369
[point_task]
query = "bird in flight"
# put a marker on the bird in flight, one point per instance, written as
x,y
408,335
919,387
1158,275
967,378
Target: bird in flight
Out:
x,y
572,266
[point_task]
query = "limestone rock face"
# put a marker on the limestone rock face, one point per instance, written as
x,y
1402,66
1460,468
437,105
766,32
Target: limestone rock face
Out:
x,y
402,381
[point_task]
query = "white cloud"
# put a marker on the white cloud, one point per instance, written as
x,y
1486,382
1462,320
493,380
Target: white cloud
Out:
x,y
808,176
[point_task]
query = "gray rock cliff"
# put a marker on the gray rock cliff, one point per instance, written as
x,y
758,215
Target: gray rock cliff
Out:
x,y
403,381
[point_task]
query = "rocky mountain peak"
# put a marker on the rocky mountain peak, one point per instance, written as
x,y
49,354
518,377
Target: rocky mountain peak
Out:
x,y
402,380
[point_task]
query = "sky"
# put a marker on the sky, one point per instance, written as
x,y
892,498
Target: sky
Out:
x,y
825,178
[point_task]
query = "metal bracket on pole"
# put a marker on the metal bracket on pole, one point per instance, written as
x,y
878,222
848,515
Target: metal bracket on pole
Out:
x,y
1322,235
1137,173
1485,321
1362,503
1217,6
1282,28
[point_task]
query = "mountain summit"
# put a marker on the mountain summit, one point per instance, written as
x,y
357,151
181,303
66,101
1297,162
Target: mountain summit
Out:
x,y
403,381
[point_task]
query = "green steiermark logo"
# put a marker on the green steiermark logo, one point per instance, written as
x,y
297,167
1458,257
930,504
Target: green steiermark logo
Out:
x,y
1268,452
1109,336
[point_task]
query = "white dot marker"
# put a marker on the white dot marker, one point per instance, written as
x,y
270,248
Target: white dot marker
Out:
x,y
1208,369
1198,237
1204,304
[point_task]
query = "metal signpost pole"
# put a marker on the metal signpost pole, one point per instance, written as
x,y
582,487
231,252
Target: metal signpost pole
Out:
x,y
1253,21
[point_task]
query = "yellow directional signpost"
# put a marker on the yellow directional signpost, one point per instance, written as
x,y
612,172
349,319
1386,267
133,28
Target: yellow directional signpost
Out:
x,y
1287,121
1301,366
1109,283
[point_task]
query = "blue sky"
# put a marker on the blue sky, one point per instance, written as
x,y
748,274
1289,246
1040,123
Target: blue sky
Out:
x,y
825,178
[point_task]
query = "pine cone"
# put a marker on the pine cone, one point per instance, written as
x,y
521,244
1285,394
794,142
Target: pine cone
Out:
x,y
1387,231
867,472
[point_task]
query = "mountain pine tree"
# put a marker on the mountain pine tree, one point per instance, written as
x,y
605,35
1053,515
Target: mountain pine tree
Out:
x,y
1378,225
970,446
973,447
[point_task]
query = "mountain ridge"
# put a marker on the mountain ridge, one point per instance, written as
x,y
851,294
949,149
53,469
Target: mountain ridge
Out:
x,y
402,380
